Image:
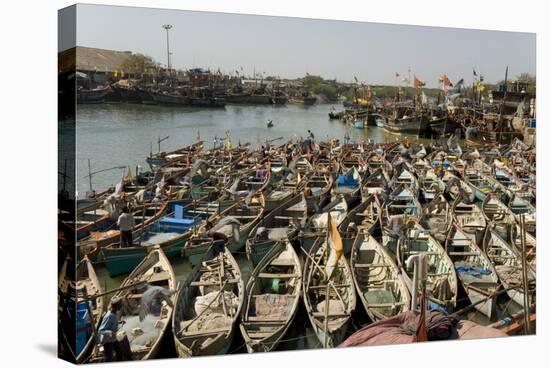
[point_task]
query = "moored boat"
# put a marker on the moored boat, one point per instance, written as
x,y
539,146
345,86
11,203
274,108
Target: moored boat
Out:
x,y
282,224
271,299
329,304
377,279
208,305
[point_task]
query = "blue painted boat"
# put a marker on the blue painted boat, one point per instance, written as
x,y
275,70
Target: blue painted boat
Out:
x,y
170,232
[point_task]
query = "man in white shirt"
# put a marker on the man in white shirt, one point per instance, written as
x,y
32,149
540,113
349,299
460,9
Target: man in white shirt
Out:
x,y
126,224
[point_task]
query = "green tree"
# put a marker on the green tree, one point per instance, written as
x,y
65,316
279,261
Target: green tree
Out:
x,y
138,64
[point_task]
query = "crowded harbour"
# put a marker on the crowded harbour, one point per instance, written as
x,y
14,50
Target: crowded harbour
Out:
x,y
254,238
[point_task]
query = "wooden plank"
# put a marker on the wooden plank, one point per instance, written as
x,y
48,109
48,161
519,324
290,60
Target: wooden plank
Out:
x,y
265,275
212,283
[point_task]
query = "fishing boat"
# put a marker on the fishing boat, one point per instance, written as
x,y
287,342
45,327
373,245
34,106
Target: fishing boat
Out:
x,y
285,189
79,291
376,183
187,152
282,224
316,225
521,206
402,206
474,269
500,215
508,265
437,218
482,184
403,176
430,185
377,279
329,304
359,124
441,282
144,216
317,187
365,218
169,98
145,336
235,223
251,181
170,232
409,125
379,120
470,219
271,298
89,217
92,96
348,185
208,305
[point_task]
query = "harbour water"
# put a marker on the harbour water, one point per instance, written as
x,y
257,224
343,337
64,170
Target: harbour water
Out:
x,y
123,134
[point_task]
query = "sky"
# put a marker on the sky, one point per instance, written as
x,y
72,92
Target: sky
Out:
x,y
292,47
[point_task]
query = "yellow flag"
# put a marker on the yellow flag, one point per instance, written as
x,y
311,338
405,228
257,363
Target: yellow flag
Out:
x,y
480,87
334,245
128,176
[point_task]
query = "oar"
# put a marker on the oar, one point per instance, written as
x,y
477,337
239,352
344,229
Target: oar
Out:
x,y
86,299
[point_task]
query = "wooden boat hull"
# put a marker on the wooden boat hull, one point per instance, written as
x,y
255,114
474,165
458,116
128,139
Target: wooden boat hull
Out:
x,y
72,287
372,265
293,211
263,333
212,341
338,322
122,260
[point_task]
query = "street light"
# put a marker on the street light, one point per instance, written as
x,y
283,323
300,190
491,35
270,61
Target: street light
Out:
x,y
167,27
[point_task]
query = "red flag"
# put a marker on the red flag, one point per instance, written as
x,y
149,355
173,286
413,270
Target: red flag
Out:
x,y
418,83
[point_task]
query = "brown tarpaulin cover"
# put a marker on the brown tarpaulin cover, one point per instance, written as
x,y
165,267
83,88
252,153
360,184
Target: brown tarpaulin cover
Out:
x,y
389,331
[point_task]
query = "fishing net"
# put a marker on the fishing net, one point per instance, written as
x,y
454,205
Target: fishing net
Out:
x,y
274,305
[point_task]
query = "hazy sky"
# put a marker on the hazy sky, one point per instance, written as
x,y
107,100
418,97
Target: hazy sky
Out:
x,y
290,47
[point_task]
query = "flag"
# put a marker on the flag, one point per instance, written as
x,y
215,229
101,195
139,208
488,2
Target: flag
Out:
x,y
481,78
116,73
418,83
334,245
396,75
356,80
198,135
128,176
445,81
118,189
228,137
479,87
475,74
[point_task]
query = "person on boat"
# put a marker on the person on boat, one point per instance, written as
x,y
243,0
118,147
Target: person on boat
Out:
x,y
108,329
310,135
125,224
151,298
159,194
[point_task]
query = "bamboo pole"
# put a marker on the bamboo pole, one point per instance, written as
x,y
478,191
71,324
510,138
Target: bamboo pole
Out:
x,y
527,325
111,291
325,345
493,295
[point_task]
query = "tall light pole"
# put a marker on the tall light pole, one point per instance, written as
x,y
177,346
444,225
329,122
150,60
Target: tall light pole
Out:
x,y
167,27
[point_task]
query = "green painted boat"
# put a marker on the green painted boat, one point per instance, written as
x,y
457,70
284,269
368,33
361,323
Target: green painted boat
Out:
x,y
281,224
247,215
364,219
170,232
